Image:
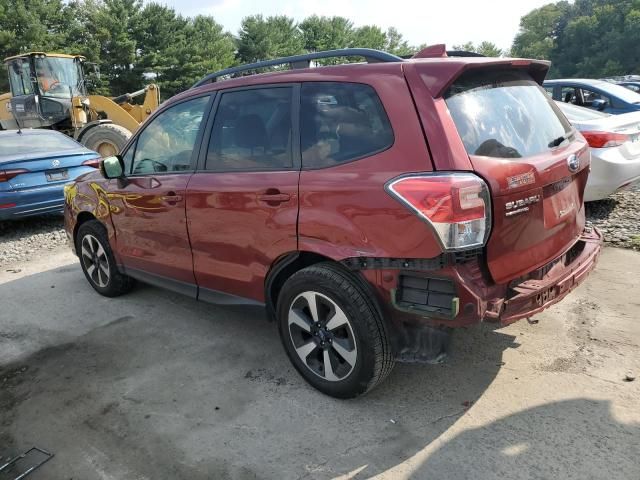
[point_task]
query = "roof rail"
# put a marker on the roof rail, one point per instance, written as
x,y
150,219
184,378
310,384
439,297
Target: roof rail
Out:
x,y
304,61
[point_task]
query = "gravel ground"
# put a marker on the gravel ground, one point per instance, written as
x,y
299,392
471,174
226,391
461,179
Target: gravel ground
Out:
x,y
29,238
617,217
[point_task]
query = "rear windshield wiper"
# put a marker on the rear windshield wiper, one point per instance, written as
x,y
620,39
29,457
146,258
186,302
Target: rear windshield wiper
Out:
x,y
558,141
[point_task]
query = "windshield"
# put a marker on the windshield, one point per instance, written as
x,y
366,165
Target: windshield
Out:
x,y
20,77
58,77
505,114
618,91
25,144
576,114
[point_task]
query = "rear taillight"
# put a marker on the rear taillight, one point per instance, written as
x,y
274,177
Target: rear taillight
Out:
x,y
605,139
6,175
456,205
93,162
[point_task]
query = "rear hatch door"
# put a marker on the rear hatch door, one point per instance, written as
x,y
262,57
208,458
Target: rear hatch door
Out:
x,y
535,164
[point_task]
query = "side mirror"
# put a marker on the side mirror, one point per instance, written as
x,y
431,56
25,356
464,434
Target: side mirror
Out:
x,y
112,167
599,104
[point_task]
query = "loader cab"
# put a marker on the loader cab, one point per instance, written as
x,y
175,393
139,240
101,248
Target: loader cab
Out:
x,y
44,88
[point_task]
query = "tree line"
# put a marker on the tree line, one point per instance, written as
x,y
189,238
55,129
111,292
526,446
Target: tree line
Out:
x,y
135,42
586,38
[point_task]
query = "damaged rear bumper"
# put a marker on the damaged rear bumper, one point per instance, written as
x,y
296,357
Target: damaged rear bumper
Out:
x,y
548,285
424,299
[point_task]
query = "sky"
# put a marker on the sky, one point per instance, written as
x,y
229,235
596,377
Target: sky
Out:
x,y
443,21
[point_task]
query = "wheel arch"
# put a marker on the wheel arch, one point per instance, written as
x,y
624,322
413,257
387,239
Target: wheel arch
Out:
x,y
83,217
281,269
292,262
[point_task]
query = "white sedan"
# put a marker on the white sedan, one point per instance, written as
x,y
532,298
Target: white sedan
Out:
x,y
615,148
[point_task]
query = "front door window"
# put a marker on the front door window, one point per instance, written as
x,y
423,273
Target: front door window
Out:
x,y
166,144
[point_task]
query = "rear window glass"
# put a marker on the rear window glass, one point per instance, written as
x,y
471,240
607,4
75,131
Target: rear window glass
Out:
x,y
25,144
340,122
504,114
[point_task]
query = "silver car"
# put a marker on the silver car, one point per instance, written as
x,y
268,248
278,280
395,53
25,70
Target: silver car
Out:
x,y
615,148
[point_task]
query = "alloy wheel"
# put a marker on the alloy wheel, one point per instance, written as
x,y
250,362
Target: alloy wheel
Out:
x,y
95,261
322,336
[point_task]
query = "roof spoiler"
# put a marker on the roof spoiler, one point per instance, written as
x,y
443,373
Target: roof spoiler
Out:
x,y
439,76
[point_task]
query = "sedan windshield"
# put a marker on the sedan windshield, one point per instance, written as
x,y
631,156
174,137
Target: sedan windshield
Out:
x,y
619,91
58,77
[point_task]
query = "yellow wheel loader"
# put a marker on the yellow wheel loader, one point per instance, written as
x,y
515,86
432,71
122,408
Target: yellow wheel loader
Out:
x,y
49,90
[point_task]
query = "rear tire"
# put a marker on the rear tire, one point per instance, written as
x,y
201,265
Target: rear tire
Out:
x,y
332,331
107,139
97,261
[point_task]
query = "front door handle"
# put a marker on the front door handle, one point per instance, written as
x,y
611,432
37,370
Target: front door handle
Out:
x,y
274,196
171,198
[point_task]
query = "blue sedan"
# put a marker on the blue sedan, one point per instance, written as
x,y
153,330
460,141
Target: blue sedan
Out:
x,y
34,167
595,94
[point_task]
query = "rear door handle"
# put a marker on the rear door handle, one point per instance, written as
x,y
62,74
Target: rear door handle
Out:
x,y
274,196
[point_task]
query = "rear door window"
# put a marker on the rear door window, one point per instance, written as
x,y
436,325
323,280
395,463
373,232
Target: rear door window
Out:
x,y
252,130
588,96
505,114
341,122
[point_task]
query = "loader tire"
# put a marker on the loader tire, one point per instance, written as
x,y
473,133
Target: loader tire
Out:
x,y
107,139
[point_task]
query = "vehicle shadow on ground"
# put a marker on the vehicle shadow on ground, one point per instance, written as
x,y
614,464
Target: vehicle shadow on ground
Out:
x,y
600,209
24,227
554,440
156,385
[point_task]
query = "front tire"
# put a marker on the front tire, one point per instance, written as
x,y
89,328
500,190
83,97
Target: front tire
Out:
x,y
332,331
97,261
107,139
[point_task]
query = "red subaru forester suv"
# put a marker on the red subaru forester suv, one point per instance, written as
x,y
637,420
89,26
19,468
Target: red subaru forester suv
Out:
x,y
370,207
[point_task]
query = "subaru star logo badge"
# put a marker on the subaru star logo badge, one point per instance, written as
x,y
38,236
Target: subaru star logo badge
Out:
x,y
573,162
55,163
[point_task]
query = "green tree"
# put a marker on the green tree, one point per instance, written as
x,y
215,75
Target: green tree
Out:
x,y
272,37
488,49
539,30
27,25
396,44
368,36
42,25
325,33
202,47
590,38
115,24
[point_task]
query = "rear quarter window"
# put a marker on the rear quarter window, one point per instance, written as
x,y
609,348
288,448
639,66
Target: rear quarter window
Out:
x,y
341,122
504,114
